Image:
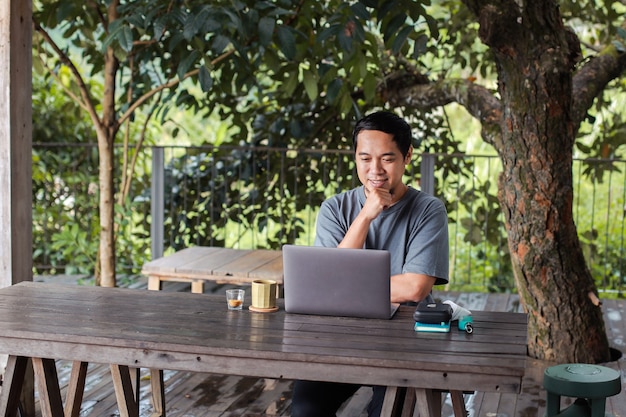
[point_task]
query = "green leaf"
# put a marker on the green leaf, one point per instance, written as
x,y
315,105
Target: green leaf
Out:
x,y
235,20
206,81
330,31
400,39
194,23
220,42
119,32
125,38
272,59
432,26
420,46
345,42
394,25
310,85
287,42
290,84
360,11
385,8
186,63
369,3
266,30
369,87
333,90
159,28
346,103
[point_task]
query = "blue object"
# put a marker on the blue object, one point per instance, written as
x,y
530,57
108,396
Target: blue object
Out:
x,y
465,324
443,327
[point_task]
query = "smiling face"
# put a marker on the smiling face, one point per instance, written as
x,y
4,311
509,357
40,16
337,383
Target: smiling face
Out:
x,y
380,163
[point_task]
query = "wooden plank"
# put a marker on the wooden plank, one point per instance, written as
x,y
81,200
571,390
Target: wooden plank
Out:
x,y
14,375
226,265
241,266
75,389
205,266
101,400
270,270
428,403
157,385
48,387
499,303
124,393
168,264
487,404
532,397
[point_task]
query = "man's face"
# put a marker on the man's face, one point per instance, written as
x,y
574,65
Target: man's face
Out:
x,y
379,162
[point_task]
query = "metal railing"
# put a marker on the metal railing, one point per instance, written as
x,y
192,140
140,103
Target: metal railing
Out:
x,y
259,197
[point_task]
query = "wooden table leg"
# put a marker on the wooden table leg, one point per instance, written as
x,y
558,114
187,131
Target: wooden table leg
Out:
x,y
48,387
458,404
124,394
76,389
395,402
14,375
156,375
154,283
427,402
197,287
408,407
389,402
158,392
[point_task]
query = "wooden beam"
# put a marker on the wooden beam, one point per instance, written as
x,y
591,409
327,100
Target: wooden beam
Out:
x,y
16,258
15,142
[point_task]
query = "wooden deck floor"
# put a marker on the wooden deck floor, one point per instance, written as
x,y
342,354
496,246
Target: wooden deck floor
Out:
x,y
206,395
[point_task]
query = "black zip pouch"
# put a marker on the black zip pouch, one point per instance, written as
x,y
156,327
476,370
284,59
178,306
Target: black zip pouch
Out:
x,y
432,313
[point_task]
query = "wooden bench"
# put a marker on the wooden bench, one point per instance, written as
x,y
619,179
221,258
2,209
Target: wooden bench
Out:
x,y
199,264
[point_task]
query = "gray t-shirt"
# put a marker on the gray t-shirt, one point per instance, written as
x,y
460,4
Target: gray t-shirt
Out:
x,y
414,230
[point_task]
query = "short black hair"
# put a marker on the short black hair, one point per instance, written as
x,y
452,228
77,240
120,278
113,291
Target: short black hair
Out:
x,y
389,123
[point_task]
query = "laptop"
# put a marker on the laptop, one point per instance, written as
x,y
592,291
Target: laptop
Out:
x,y
337,282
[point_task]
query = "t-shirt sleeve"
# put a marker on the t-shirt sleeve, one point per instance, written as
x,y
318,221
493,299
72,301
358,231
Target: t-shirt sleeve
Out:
x,y
329,229
428,246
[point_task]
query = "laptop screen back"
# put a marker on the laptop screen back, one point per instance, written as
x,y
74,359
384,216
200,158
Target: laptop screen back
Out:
x,y
337,282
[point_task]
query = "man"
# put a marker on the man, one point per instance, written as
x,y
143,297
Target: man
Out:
x,y
383,213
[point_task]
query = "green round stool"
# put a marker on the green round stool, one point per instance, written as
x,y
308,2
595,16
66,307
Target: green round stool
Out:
x,y
590,384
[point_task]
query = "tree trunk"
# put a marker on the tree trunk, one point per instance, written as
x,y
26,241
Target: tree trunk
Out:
x,y
106,139
532,125
535,63
107,209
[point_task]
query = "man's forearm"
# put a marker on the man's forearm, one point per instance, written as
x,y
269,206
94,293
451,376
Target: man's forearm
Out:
x,y
410,287
356,234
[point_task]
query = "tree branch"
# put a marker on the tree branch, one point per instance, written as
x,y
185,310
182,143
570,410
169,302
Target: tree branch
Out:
x,y
593,77
84,91
111,66
68,91
478,101
101,16
141,100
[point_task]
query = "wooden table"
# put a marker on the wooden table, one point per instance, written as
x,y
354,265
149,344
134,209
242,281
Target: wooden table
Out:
x,y
126,328
201,263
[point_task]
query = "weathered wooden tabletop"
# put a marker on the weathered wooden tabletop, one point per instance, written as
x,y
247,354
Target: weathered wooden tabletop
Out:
x,y
201,263
196,332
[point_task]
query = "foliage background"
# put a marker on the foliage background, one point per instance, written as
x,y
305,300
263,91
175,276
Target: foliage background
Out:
x,y
278,96
218,195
